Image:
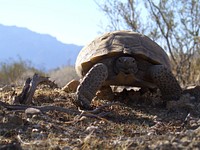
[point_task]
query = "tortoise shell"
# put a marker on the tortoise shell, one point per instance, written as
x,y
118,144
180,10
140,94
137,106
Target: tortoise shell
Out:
x,y
119,43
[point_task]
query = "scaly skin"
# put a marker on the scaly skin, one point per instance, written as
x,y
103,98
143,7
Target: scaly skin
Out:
x,y
97,75
90,84
166,82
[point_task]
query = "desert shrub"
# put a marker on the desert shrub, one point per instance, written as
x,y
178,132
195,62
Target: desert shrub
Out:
x,y
174,25
63,75
15,72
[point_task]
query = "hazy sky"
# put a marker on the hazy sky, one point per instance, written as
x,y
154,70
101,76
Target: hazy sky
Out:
x,y
70,21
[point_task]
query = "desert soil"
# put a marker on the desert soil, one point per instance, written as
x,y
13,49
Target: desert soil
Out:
x,y
130,122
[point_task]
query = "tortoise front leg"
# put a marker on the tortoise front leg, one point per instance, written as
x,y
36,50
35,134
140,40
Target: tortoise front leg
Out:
x,y
166,82
90,84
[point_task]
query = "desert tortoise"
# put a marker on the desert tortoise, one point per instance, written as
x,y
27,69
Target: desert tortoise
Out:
x,y
124,58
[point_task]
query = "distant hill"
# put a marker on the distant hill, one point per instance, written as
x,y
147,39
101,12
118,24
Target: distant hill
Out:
x,y
44,51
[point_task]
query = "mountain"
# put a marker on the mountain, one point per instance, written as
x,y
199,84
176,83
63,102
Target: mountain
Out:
x,y
42,50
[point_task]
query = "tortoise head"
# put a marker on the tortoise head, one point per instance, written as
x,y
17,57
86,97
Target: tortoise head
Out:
x,y
126,64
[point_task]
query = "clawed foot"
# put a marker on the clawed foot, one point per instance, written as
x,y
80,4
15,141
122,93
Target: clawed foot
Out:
x,y
82,102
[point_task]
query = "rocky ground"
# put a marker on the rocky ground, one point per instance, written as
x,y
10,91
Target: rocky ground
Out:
x,y
128,120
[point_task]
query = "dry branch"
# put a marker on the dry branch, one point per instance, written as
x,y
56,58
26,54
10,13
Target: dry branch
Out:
x,y
25,97
96,113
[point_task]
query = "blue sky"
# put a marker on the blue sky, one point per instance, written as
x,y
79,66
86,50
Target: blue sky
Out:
x,y
70,21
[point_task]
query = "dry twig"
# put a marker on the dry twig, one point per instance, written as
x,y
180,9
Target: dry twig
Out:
x,y
25,97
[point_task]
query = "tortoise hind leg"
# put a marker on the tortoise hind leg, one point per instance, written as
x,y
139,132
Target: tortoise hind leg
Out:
x,y
90,84
166,82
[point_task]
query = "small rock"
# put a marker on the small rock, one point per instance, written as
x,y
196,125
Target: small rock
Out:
x,y
91,128
105,93
32,111
71,86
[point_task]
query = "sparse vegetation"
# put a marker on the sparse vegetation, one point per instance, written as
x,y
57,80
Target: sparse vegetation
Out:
x,y
137,121
63,75
15,72
174,25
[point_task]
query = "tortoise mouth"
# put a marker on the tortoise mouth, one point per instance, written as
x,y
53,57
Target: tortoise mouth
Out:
x,y
129,71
